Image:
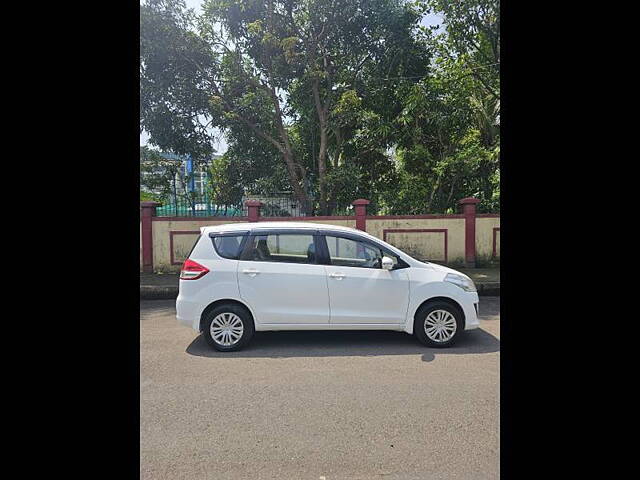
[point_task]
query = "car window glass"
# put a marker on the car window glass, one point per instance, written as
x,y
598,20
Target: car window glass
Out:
x,y
352,253
228,246
283,247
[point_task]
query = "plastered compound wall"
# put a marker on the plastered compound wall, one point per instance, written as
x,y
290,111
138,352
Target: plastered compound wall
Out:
x,y
440,239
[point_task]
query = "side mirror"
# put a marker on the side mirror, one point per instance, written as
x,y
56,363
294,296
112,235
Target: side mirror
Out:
x,y
387,263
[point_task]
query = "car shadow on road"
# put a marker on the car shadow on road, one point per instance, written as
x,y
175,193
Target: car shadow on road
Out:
x,y
346,344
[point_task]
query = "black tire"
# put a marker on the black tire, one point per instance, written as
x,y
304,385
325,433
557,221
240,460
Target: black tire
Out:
x,y
421,316
245,318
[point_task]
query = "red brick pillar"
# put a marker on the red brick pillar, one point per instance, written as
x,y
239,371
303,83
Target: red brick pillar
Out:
x,y
254,209
469,212
361,213
147,210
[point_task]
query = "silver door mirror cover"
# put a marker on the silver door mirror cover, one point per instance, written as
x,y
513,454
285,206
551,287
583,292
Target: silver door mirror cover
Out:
x,y
387,263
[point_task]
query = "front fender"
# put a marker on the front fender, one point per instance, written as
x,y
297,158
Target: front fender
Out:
x,y
422,292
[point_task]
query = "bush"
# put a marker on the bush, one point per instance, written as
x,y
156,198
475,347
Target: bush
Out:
x,y
149,197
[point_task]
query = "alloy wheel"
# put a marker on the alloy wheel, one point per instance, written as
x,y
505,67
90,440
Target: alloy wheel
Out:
x,y
440,326
226,329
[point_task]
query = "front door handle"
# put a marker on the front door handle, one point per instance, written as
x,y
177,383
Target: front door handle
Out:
x,y
251,272
338,276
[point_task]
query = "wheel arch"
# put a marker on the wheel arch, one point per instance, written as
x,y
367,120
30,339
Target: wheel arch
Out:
x,y
448,300
226,301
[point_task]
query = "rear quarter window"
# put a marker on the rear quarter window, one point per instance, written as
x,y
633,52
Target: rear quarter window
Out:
x,y
228,246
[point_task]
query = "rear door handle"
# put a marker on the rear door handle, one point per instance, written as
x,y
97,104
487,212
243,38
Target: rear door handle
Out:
x,y
339,276
251,271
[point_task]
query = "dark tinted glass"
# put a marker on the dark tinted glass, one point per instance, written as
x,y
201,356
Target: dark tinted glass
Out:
x,y
228,246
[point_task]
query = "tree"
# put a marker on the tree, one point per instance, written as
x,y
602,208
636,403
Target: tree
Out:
x,y
175,69
159,175
334,99
448,131
275,68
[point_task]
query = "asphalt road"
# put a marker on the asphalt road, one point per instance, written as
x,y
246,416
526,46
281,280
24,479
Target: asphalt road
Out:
x,y
318,405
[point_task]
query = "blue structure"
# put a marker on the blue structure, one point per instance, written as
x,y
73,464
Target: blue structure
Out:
x,y
192,180
198,203
189,166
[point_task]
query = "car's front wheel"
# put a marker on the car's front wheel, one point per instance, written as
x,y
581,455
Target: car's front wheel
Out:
x,y
438,324
227,327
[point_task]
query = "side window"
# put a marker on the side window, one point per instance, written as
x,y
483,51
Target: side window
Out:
x,y
228,246
351,253
282,247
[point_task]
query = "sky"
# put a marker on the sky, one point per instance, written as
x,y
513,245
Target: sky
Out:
x,y
221,144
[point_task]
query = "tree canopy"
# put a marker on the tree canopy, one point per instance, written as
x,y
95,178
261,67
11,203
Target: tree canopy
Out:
x,y
332,99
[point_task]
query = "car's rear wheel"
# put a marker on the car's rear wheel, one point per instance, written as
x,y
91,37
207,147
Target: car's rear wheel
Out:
x,y
438,324
228,327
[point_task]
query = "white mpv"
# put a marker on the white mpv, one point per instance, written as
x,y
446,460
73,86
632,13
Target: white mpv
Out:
x,y
247,277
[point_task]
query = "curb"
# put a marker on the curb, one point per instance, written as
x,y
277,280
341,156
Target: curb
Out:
x,y
154,292
489,289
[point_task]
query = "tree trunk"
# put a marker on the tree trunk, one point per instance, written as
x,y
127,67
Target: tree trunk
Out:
x,y
322,152
283,146
297,183
338,155
287,151
322,171
436,187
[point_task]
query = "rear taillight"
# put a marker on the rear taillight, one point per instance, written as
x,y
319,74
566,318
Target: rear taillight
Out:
x,y
192,270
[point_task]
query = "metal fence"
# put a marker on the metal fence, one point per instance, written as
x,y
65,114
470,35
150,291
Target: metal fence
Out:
x,y
202,206
199,207
281,206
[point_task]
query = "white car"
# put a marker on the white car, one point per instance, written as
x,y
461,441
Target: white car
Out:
x,y
247,277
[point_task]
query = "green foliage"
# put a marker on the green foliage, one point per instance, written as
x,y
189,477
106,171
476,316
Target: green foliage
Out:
x,y
157,174
175,77
449,132
487,261
226,184
149,197
334,99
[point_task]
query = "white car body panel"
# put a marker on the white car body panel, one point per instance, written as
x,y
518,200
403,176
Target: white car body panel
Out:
x,y
367,295
194,295
290,296
280,292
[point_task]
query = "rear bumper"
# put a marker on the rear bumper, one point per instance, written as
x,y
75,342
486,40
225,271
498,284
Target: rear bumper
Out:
x,y
188,313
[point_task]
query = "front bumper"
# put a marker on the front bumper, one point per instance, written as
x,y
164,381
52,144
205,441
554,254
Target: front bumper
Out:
x,y
471,308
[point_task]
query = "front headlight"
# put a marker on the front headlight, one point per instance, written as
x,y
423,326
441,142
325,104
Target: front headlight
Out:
x,y
463,282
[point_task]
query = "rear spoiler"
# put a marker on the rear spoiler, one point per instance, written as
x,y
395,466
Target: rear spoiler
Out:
x,y
225,232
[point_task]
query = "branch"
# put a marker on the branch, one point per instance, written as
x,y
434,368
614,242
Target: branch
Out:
x,y
484,84
261,133
276,104
319,107
231,109
278,117
361,64
293,23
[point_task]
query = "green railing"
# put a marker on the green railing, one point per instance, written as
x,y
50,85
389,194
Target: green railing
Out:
x,y
198,208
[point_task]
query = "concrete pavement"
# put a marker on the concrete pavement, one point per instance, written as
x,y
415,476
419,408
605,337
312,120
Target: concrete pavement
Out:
x,y
314,405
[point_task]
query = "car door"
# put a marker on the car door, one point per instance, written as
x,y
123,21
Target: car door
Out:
x,y
360,291
280,278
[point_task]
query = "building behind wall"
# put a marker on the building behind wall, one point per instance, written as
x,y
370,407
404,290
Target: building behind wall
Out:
x,y
191,177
